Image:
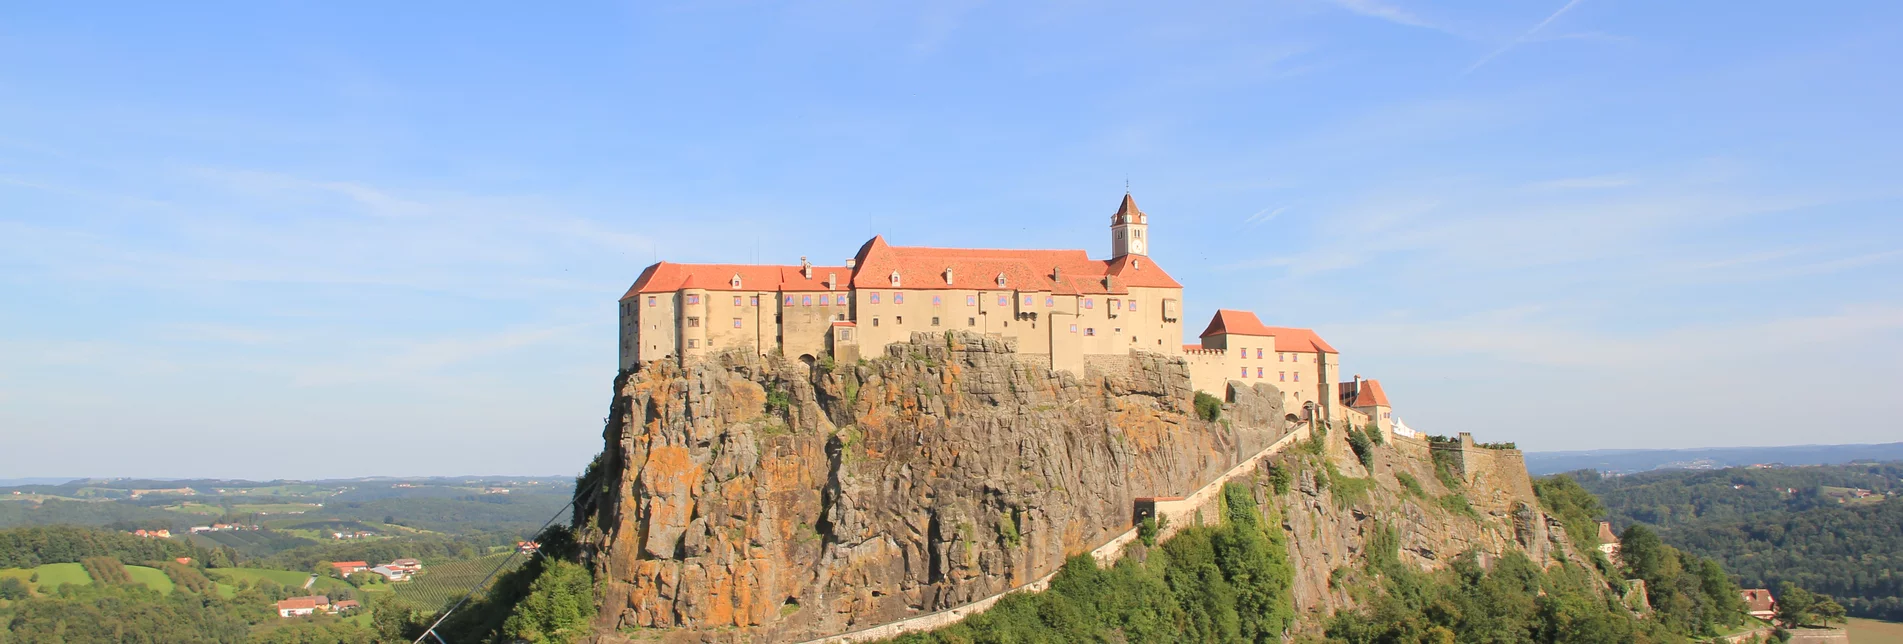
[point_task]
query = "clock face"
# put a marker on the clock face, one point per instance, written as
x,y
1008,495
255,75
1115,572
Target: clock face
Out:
x,y
1136,247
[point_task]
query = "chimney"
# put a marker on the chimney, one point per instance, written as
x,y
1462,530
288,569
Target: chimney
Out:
x,y
852,262
806,267
832,281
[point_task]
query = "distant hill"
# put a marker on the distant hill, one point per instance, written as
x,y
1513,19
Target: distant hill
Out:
x,y
1625,461
44,480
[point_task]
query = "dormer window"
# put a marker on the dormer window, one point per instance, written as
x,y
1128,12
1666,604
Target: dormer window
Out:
x,y
832,281
1136,264
895,278
1001,280
948,275
735,282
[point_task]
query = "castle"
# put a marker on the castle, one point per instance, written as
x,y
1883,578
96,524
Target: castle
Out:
x,y
1059,305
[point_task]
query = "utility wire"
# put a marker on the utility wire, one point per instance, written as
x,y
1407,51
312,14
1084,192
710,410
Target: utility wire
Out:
x,y
431,631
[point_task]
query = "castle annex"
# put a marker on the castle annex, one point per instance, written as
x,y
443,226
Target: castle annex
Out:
x,y
1059,305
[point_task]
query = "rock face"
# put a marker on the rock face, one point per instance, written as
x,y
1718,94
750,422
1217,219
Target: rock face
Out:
x,y
749,499
1330,527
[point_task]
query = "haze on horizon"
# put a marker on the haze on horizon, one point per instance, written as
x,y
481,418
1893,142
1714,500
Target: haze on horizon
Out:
x,y
352,239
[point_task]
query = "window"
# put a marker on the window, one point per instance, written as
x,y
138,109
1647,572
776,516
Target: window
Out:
x,y
1073,328
1133,306
971,300
693,344
1280,356
789,300
1258,372
1027,301
736,300
875,297
1245,372
1245,352
845,335
934,320
1258,353
806,300
898,319
898,298
936,301
1116,304
693,323
736,323
1004,300
753,301
971,321
875,321
1050,302
1298,376
650,300
693,299
1090,331
1281,376
1089,303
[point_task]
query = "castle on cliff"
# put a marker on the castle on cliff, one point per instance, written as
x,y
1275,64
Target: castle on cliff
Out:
x,y
1059,305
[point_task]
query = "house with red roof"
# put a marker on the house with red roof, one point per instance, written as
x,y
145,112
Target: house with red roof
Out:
x,y
1759,603
345,568
297,606
1237,347
1364,403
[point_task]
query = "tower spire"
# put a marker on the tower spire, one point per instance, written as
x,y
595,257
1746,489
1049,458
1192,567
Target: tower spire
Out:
x,y
1129,229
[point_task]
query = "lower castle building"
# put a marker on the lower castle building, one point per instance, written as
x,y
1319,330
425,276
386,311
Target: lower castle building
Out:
x,y
1059,305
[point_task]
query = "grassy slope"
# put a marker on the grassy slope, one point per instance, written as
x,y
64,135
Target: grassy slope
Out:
x,y
153,578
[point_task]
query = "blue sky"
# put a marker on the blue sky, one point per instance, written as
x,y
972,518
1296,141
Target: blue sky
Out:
x,y
337,239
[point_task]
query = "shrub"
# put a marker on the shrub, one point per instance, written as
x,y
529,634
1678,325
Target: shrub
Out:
x,y
1280,478
777,400
1208,407
1148,529
1411,484
1373,430
1364,447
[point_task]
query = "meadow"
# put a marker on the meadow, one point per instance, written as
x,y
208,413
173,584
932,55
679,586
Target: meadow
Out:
x,y
1870,631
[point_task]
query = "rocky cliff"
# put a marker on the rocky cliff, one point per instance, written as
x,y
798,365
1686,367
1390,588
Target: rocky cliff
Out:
x,y
755,499
748,499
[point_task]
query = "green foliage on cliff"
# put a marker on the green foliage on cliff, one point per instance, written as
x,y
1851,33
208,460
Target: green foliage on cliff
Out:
x,y
1208,407
1228,583
1688,594
1577,509
1363,446
1514,601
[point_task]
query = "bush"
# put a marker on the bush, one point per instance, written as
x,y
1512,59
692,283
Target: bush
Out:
x,y
12,588
1411,484
1363,446
1280,478
1208,407
1373,430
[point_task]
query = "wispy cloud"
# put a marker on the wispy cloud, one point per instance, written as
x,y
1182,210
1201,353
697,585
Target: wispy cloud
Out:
x,y
1263,216
1525,37
1574,183
1390,13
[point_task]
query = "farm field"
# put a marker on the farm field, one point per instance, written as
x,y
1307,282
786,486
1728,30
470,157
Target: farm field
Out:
x,y
52,575
152,578
1870,631
444,583
288,578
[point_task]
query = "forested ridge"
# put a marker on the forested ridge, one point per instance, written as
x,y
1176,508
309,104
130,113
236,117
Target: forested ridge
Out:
x,y
1805,525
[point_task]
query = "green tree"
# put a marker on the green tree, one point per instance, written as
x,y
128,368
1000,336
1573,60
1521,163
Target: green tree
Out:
x,y
558,607
12,588
1208,407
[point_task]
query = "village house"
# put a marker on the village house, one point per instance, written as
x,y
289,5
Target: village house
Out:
x,y
1759,603
406,565
1060,306
298,606
153,534
1609,542
347,568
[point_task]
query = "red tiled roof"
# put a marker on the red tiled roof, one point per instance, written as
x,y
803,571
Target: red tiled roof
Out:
x,y
841,323
297,603
347,564
1126,209
1063,272
667,277
1758,599
1369,394
1192,347
1288,339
